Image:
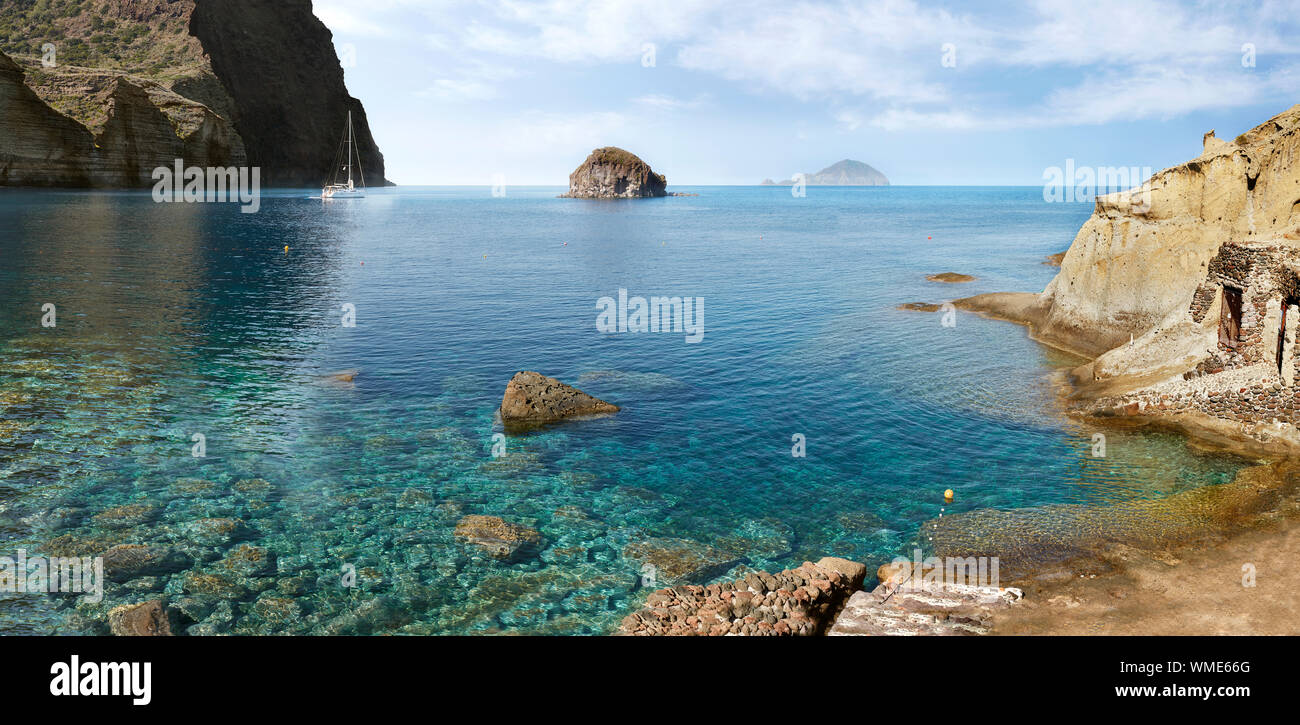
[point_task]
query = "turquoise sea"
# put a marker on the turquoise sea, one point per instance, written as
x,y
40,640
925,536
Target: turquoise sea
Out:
x,y
183,319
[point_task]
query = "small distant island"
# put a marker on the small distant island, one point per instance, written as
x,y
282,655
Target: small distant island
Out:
x,y
843,173
613,173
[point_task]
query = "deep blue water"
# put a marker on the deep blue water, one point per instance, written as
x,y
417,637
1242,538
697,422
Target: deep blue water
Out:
x,y
175,319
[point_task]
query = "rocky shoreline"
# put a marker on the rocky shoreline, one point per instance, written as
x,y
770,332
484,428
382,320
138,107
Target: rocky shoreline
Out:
x,y
795,602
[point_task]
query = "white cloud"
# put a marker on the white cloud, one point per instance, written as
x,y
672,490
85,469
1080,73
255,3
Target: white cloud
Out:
x,y
477,81
556,132
668,103
453,89
878,63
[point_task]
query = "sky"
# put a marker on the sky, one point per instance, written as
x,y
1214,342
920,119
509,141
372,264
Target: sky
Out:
x,y
723,92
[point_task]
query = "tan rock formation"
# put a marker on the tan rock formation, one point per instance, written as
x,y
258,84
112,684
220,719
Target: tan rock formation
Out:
x,y
1137,261
670,561
500,539
147,619
533,399
39,146
1184,292
905,603
950,277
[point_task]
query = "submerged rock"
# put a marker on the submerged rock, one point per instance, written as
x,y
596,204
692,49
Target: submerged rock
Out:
x,y
147,619
680,561
533,399
215,532
920,307
125,516
498,538
951,277
612,173
128,561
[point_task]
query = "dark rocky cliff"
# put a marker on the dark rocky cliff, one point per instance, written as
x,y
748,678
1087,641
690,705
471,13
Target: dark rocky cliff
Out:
x,y
278,64
139,84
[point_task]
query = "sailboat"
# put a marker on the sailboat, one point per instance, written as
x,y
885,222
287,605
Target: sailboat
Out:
x,y
337,189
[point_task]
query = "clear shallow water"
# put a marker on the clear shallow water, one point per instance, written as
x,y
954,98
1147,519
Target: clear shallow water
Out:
x,y
176,319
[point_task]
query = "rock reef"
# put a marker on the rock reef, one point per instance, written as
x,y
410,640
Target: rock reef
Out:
x,y
612,173
217,83
532,399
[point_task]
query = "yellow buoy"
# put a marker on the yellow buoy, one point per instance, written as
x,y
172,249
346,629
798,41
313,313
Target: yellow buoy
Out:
x,y
947,496
286,249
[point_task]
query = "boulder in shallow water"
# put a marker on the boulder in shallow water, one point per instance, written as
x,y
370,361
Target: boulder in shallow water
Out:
x,y
680,561
950,277
129,561
920,307
147,619
533,399
498,538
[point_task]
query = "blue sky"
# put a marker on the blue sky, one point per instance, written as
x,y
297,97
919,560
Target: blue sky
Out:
x,y
458,91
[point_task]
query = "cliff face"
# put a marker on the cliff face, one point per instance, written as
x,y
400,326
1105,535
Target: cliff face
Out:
x,y
278,64
213,82
1138,260
612,173
38,146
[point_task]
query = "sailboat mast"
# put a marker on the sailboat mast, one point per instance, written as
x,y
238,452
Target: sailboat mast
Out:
x,y
349,149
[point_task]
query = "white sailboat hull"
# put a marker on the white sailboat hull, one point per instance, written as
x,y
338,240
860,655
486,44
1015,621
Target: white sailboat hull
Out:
x,y
342,194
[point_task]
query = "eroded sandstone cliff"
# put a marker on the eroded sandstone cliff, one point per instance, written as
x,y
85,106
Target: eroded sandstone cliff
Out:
x,y
1185,294
131,86
1137,261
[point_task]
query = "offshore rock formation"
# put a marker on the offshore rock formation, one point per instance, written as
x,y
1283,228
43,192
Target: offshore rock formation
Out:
x,y
612,173
212,82
842,173
532,399
1185,292
799,602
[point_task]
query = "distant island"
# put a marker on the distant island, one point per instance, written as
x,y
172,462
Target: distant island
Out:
x,y
844,173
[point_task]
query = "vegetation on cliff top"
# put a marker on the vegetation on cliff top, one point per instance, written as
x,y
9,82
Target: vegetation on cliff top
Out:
x,y
149,38
621,159
94,42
